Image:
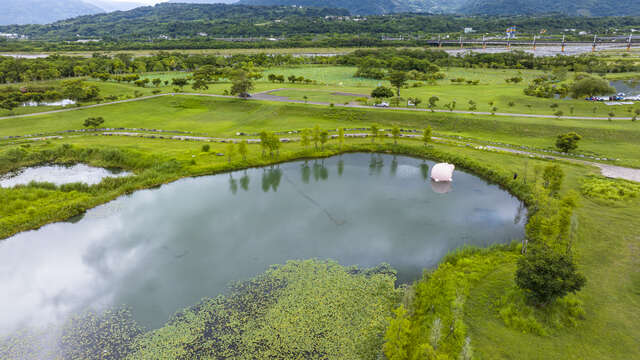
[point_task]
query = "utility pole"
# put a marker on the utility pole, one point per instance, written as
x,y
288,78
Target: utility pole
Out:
x,y
534,43
484,43
595,38
461,44
439,41
563,43
629,42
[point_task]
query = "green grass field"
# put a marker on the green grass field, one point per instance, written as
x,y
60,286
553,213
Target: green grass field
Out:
x,y
225,117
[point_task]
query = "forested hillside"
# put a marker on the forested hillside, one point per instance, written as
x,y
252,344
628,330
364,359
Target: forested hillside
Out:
x,y
488,7
358,7
570,7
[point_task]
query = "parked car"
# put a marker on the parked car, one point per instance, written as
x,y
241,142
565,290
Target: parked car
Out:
x,y
382,104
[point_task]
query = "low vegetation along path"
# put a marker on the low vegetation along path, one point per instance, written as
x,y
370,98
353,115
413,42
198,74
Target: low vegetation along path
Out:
x,y
267,96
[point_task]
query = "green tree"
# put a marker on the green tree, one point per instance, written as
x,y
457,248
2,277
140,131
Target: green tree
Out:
x,y
241,83
375,132
199,84
305,137
426,135
433,101
93,122
231,150
8,104
179,82
546,275
324,137
395,132
316,136
552,177
472,105
398,79
568,142
243,150
590,86
382,92
397,338
341,137
264,142
156,82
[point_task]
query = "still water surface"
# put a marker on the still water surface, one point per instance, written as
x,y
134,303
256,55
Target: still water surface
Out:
x,y
164,249
59,175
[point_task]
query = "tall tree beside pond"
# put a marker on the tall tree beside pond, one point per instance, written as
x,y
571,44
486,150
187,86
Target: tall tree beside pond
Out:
x,y
231,150
547,275
426,136
264,142
316,136
395,132
324,137
375,132
305,138
243,150
552,177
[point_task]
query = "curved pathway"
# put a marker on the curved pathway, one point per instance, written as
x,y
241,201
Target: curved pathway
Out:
x,y
266,96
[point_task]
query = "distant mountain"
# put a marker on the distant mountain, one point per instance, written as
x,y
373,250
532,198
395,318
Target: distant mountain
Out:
x,y
371,7
204,1
109,6
179,20
569,7
484,7
43,11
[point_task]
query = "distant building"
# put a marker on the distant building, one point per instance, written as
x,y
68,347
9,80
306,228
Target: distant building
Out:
x,y
469,30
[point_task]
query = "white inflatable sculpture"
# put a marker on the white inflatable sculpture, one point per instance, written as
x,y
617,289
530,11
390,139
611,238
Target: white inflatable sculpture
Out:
x,y
442,172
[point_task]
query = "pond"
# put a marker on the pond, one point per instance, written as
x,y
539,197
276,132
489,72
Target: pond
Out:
x,y
64,102
629,87
59,175
164,249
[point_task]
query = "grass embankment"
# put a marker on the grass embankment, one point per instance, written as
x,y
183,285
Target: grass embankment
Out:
x,y
226,117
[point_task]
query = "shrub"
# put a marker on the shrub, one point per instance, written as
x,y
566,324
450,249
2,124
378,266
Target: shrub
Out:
x,y
609,189
568,142
206,148
546,275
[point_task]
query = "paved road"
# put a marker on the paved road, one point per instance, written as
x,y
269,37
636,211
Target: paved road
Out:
x,y
610,171
266,96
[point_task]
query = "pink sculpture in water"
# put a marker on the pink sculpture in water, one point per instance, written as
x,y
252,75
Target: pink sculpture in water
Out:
x,y
442,172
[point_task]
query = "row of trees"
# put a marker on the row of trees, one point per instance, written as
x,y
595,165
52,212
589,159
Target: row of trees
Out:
x,y
74,89
548,270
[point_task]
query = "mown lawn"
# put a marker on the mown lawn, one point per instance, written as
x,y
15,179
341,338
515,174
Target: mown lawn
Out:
x,y
225,117
608,250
